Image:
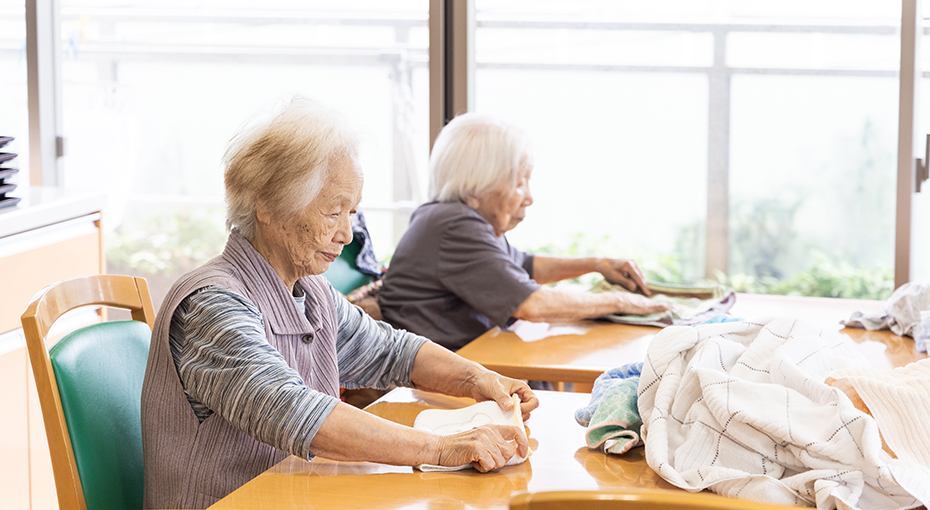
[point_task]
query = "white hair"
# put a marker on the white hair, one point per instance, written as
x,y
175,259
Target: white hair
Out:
x,y
283,162
473,154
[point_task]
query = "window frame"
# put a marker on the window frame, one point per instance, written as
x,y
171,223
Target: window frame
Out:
x,y
719,75
452,27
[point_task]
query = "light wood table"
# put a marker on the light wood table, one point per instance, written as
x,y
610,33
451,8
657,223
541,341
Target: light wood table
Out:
x,y
601,345
560,461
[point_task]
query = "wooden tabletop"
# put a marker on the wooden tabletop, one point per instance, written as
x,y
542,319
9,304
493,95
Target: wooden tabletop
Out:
x,y
591,347
560,461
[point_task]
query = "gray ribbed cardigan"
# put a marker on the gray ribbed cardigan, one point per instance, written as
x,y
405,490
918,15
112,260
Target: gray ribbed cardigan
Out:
x,y
189,464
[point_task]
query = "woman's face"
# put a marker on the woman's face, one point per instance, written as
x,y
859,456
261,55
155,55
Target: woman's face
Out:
x,y
308,244
504,206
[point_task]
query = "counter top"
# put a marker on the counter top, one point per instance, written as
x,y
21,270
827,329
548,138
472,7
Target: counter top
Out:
x,y
42,206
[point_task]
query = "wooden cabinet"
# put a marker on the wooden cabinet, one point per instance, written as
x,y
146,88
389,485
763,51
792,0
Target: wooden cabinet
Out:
x,y
14,431
54,236
74,251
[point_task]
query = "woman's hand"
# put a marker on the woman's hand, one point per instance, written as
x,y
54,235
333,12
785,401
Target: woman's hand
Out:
x,y
486,448
634,304
484,384
624,272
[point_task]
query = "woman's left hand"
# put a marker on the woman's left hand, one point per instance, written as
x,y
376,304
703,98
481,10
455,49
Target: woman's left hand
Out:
x,y
625,272
489,385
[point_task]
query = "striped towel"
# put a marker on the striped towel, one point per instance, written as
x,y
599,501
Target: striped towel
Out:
x,y
693,303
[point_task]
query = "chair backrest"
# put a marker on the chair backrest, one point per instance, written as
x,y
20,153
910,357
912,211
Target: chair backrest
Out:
x,y
634,499
90,387
343,273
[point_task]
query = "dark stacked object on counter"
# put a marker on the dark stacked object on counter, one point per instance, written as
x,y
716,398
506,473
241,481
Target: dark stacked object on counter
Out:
x,y
6,174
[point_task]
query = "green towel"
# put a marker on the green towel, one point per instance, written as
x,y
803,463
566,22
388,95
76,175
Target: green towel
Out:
x,y
694,303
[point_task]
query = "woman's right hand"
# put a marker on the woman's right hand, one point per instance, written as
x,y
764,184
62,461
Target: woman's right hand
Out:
x,y
634,304
486,448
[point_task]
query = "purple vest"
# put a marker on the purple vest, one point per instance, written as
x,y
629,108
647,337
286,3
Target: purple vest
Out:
x,y
190,464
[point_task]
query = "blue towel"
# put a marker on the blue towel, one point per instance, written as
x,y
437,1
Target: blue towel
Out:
x,y
720,318
612,418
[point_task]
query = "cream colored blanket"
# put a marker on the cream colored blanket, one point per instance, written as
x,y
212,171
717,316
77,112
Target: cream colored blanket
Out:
x,y
899,400
742,409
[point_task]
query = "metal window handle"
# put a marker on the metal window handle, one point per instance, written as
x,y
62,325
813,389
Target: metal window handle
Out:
x,y
923,167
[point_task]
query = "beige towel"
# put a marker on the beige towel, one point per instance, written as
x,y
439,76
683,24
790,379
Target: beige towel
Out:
x,y
899,400
446,422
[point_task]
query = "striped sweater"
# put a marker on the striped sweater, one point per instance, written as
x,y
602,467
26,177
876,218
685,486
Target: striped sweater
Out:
x,y
239,375
227,366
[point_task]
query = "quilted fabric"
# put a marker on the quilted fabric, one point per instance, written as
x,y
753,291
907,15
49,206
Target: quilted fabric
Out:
x,y
742,409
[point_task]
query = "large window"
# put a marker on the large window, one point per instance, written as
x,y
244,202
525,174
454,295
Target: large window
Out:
x,y
14,115
751,143
745,142
152,92
921,201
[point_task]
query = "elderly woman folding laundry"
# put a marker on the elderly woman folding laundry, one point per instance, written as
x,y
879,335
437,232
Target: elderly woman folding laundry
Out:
x,y
454,276
249,351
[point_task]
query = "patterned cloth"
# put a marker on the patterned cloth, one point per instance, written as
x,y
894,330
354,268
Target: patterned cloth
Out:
x,y
742,409
694,304
612,417
901,313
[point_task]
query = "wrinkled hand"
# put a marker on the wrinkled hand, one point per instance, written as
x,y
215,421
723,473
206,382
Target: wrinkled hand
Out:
x,y
634,304
625,272
486,448
489,385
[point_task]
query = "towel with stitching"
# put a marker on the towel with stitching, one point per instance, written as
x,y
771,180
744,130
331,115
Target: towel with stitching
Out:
x,y
742,409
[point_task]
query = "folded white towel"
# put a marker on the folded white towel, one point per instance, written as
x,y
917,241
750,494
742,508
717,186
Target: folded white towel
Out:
x,y
445,422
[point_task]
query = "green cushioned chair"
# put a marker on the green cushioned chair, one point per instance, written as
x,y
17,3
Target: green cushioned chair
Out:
x,y
90,387
343,273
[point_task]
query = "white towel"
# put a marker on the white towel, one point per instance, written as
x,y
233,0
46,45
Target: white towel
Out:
x,y
742,409
901,313
899,400
445,422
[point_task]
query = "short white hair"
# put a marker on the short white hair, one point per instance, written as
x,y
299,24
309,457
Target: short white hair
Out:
x,y
283,162
473,154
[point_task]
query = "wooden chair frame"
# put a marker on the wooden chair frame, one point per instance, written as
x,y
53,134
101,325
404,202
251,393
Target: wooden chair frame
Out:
x,y
634,499
46,307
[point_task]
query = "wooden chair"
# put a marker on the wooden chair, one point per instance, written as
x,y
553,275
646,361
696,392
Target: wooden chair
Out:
x,y
90,386
634,499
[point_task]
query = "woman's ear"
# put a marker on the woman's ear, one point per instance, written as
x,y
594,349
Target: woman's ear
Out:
x,y
472,202
261,212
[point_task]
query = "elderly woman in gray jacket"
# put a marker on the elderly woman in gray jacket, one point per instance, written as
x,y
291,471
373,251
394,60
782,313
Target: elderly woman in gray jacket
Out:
x,y
454,275
249,351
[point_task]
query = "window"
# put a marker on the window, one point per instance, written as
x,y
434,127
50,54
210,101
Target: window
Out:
x,y
753,143
152,92
14,113
921,201
749,142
